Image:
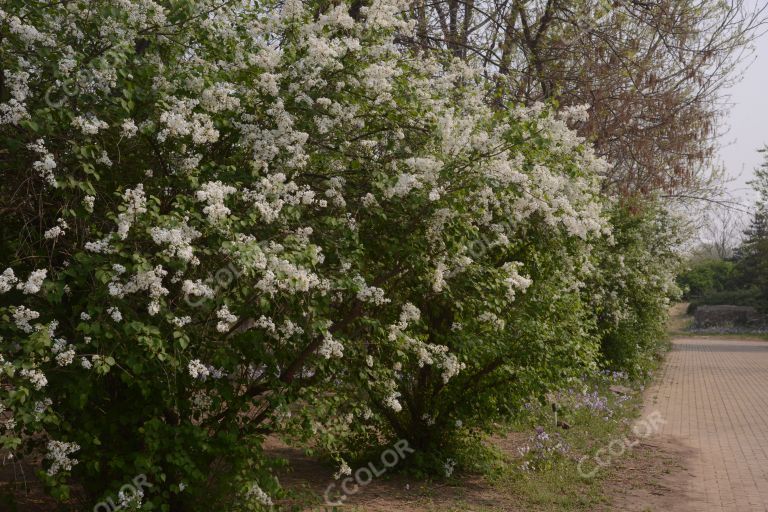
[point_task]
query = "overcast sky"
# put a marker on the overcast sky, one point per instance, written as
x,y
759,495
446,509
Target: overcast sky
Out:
x,y
747,123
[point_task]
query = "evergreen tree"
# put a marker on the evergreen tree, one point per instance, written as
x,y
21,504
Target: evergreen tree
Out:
x,y
752,256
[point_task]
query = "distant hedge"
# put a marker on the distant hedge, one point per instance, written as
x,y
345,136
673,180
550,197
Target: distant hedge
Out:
x,y
744,297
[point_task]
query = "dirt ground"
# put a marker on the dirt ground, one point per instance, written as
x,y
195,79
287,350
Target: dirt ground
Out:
x,y
652,477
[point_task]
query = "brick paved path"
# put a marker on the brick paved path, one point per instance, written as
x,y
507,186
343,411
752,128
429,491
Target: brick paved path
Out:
x,y
713,394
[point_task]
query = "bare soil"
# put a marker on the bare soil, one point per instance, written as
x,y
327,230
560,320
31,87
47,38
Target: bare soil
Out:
x,y
652,477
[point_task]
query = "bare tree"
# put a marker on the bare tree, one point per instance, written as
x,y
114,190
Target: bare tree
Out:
x,y
721,232
653,72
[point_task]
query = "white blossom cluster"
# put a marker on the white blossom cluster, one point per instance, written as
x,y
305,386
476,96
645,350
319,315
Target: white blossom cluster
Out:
x,y
59,454
214,194
22,316
36,377
150,281
181,121
179,241
34,282
63,351
197,370
135,203
330,347
56,231
89,124
372,294
226,319
7,280
257,494
46,163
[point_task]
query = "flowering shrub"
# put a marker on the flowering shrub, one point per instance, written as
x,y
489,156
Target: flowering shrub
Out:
x,y
477,286
634,284
213,209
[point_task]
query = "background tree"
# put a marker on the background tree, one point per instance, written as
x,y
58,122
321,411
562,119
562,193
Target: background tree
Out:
x,y
752,256
652,73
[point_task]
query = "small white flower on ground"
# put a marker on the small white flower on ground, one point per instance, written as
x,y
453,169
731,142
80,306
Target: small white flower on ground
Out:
x,y
344,470
259,495
448,467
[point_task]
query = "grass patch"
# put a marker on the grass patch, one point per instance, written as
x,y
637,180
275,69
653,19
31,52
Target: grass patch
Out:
x,y
545,475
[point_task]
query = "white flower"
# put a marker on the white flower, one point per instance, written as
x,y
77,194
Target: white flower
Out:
x,y
46,164
197,289
344,470
392,402
438,281
214,193
451,367
100,246
130,501
85,363
58,453
198,370
56,231
330,347
515,281
259,495
405,183
89,124
66,357
448,467
370,294
492,319
181,321
408,314
135,203
128,128
34,282
179,241
180,121
41,406
115,314
7,280
22,316
369,201
36,377
219,97
226,319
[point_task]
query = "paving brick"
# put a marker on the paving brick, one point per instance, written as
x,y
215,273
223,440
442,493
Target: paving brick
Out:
x,y
713,395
